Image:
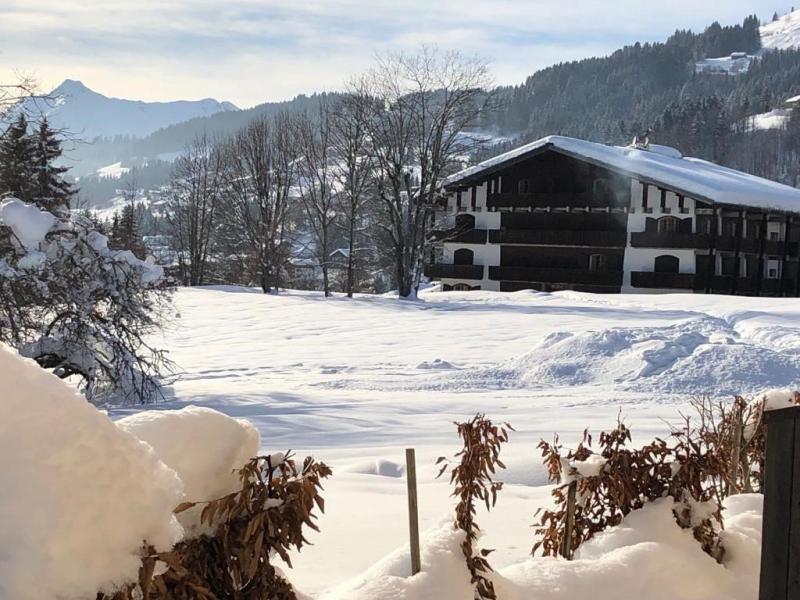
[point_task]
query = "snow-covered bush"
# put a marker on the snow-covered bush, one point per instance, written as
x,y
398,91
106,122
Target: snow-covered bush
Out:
x,y
205,448
77,495
599,489
249,527
77,307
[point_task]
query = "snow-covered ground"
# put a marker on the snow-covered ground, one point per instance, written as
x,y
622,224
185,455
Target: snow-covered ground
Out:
x,y
356,381
114,171
783,33
774,119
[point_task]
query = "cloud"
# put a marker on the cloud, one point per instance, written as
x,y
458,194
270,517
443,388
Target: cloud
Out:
x,y
250,51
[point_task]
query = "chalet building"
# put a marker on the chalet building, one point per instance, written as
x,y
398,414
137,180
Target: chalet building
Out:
x,y
567,214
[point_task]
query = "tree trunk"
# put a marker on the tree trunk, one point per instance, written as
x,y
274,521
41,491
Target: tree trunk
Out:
x,y
350,267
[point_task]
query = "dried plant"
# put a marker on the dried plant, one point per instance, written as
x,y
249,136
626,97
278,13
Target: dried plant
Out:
x,y
474,483
598,489
266,517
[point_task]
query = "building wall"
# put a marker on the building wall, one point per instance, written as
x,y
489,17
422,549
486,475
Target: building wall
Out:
x,y
634,213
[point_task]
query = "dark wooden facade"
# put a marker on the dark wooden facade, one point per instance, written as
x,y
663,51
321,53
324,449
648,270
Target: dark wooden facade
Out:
x,y
564,224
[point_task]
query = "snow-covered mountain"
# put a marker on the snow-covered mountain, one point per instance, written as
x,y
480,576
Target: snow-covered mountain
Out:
x,y
87,114
783,33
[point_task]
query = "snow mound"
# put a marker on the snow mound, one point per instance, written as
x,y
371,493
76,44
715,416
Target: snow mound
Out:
x,y
78,495
443,575
28,223
379,466
205,448
701,356
649,556
436,363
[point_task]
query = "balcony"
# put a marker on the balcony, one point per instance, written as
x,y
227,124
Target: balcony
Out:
x,y
544,237
461,236
652,239
565,221
558,200
666,281
548,275
729,243
449,271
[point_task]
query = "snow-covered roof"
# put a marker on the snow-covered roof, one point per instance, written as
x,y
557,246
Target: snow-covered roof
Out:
x,y
693,177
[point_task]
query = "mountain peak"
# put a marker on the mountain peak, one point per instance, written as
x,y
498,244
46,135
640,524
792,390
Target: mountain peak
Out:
x,y
71,86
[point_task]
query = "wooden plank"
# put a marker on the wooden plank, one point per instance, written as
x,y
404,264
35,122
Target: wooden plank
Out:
x,y
793,524
569,521
413,510
777,508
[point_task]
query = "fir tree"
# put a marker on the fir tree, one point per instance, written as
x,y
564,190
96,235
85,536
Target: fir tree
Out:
x,y
125,231
17,176
52,191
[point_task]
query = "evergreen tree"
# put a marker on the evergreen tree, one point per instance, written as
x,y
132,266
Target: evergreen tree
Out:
x,y
17,176
51,190
126,233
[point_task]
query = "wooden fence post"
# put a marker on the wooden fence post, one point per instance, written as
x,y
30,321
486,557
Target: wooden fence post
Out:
x,y
736,450
569,521
413,511
780,539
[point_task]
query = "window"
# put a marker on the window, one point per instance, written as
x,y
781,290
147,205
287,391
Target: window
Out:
x,y
644,196
663,199
668,225
523,186
775,236
461,287
598,262
464,222
773,268
731,266
599,186
705,224
667,264
463,256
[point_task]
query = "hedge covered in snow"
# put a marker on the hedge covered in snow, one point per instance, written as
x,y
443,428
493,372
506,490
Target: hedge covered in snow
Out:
x,y
80,495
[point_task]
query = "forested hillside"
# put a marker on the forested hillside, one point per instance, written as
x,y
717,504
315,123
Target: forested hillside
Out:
x,y
654,87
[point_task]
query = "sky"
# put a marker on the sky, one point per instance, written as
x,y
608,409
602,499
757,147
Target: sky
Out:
x,y
253,51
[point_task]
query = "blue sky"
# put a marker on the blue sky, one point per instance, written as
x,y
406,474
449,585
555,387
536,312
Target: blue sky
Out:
x,y
251,51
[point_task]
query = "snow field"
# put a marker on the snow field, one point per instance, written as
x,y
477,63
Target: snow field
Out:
x,y
355,382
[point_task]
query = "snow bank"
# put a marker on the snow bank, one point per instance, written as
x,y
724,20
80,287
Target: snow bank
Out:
x,y
77,494
647,556
703,356
28,223
205,448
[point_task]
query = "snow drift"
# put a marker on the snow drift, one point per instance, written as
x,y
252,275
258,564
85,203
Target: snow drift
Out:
x,y
78,494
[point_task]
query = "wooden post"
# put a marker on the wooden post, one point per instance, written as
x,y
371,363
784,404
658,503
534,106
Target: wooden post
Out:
x,y
736,450
569,521
780,539
413,512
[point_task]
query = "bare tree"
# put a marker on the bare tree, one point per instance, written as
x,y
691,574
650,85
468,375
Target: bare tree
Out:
x,y
12,94
197,180
419,106
353,172
261,160
315,179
